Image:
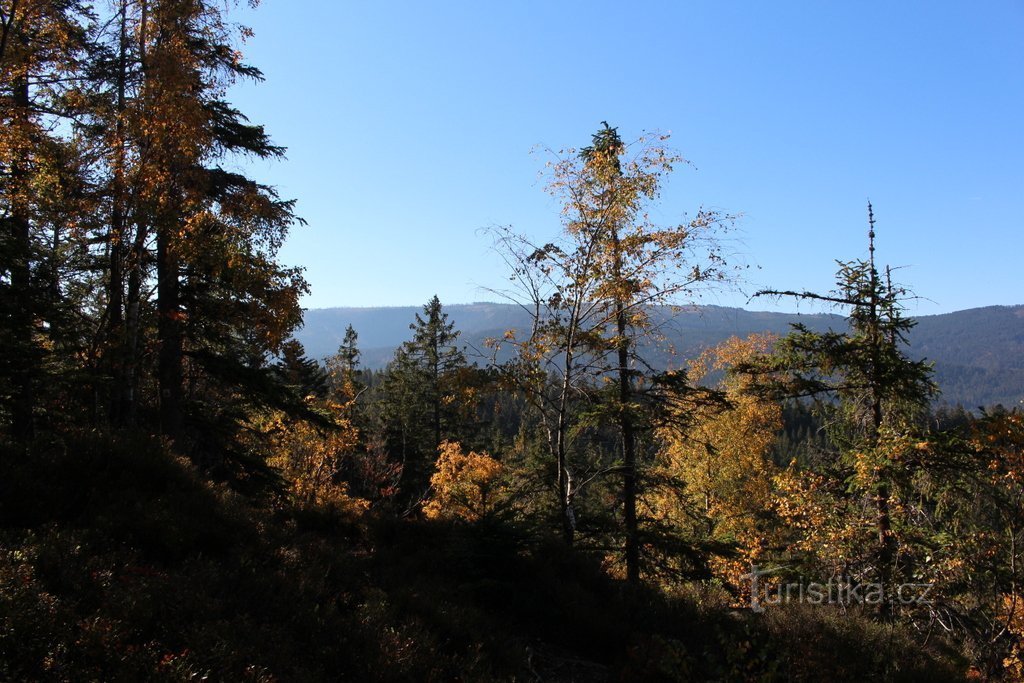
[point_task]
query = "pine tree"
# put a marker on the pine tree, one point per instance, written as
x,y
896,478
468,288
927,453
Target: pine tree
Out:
x,y
433,349
343,367
223,302
304,375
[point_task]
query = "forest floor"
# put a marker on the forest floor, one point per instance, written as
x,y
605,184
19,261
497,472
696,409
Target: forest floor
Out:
x,y
119,562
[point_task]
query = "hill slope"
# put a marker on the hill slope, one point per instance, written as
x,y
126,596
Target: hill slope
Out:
x,y
118,561
978,353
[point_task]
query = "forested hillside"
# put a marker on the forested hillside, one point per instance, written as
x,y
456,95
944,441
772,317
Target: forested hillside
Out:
x,y
977,353
589,487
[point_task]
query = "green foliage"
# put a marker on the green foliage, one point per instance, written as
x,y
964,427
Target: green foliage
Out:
x,y
343,371
424,395
873,396
304,375
256,538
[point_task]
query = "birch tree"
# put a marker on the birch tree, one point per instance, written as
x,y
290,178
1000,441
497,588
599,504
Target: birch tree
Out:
x,y
591,294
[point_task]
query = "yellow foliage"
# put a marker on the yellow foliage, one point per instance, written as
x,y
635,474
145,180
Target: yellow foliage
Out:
x,y
465,486
310,458
1013,612
835,521
724,465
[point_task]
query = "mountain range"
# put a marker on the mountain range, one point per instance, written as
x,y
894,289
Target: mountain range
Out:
x,y
978,353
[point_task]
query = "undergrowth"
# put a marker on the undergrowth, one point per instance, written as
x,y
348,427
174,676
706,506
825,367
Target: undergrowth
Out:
x,y
118,561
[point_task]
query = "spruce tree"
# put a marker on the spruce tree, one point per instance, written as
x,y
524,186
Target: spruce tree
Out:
x,y
419,391
863,380
343,366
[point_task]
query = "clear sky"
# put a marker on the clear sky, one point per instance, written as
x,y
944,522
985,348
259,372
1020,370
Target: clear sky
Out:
x,y
410,126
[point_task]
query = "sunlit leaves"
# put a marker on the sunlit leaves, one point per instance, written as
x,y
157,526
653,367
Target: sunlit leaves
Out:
x,y
717,474
465,486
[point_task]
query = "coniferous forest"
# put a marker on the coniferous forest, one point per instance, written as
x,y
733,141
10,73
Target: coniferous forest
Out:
x,y
185,494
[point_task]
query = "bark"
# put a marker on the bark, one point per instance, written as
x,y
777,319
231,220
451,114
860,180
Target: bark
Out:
x,y
169,331
133,324
137,265
886,540
121,394
629,471
23,359
626,427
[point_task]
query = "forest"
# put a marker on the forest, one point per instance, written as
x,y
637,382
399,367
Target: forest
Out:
x,y
975,352
185,494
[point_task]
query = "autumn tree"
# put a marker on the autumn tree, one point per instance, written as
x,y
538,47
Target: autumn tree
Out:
x,y
141,277
207,236
40,47
994,544
713,481
465,486
591,294
310,438
115,78
204,219
311,457
967,503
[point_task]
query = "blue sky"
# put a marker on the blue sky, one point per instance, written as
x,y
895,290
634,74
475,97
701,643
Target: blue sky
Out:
x,y
410,126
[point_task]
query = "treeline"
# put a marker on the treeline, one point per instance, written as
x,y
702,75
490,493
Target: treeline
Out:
x,y
140,283
142,298
779,466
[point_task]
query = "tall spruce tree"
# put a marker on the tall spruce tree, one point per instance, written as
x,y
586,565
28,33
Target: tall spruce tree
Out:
x,y
114,187
863,379
223,302
419,391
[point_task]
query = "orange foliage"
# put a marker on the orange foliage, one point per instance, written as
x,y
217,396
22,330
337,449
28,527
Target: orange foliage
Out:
x,y
723,461
311,457
1013,612
466,486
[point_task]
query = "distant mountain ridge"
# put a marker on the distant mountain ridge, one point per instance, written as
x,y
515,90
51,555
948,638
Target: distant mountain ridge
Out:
x,y
978,353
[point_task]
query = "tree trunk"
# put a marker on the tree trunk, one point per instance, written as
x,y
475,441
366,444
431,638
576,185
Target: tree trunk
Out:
x,y
23,356
137,264
629,469
629,473
133,323
121,394
886,539
436,402
169,331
